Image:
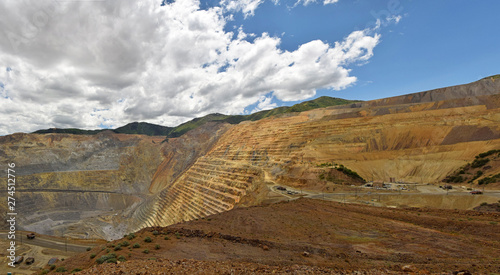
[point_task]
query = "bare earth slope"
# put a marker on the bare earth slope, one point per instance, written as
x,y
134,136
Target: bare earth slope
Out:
x,y
311,237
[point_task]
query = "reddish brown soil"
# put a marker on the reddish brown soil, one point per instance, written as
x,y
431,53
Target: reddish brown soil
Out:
x,y
310,237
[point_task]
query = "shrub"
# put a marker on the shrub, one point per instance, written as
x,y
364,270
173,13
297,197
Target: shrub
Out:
x,y
131,236
349,172
479,163
146,251
61,269
112,260
88,248
124,243
76,270
118,247
52,266
177,235
157,246
166,238
45,271
148,240
109,258
92,256
485,154
136,245
156,233
490,179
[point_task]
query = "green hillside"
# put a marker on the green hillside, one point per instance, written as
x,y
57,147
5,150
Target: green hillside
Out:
x,y
143,128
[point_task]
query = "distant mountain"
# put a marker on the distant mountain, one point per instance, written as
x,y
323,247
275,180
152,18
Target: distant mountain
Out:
x,y
139,128
144,128
74,131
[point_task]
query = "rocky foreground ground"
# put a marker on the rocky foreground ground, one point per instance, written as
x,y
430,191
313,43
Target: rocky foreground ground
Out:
x,y
307,236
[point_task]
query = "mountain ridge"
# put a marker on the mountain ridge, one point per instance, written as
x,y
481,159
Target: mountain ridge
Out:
x,y
149,129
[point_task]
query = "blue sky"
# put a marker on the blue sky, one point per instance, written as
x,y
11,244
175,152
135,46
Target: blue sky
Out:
x,y
435,44
103,64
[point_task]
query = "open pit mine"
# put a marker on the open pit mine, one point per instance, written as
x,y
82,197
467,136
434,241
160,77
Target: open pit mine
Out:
x,y
108,185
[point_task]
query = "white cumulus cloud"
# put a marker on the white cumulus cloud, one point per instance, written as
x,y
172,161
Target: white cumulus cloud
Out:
x,y
92,64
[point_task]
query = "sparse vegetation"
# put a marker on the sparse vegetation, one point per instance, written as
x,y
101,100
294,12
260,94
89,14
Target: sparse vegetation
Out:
x,y
466,173
92,256
487,154
131,236
156,233
145,251
124,243
493,77
61,269
157,246
329,176
76,270
454,179
490,179
122,258
166,238
479,162
349,172
148,240
136,245
109,258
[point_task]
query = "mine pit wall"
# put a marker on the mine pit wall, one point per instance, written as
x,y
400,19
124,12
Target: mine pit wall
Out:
x,y
81,186
62,211
399,138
